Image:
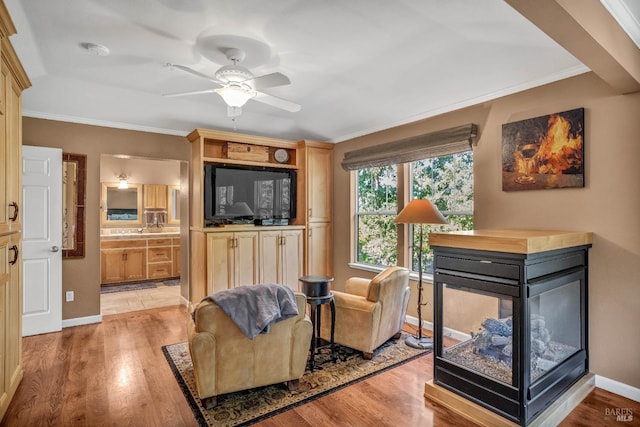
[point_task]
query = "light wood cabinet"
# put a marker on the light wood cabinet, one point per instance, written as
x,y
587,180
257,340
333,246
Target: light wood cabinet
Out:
x,y
319,184
123,261
159,258
319,245
313,161
232,260
129,260
13,80
155,196
281,255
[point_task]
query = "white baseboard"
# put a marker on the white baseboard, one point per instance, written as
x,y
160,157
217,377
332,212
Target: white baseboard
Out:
x,y
604,383
618,388
79,321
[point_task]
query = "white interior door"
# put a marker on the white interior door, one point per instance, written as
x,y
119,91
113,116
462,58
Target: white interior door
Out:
x,y
41,240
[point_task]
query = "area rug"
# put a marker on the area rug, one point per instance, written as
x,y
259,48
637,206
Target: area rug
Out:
x,y
171,282
108,289
248,407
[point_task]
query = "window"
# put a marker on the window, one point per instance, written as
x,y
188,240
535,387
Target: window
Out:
x,y
376,208
447,181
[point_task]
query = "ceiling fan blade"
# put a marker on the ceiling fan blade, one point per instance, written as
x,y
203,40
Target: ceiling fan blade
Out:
x,y
270,80
274,101
194,92
194,73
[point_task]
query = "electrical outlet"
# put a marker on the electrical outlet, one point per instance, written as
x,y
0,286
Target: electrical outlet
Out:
x,y
69,296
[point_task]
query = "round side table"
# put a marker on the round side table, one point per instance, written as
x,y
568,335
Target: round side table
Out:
x,y
318,291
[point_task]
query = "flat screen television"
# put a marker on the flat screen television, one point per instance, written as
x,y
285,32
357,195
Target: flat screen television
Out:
x,y
236,194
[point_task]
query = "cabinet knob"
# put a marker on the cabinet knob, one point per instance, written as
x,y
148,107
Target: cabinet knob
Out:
x,y
54,249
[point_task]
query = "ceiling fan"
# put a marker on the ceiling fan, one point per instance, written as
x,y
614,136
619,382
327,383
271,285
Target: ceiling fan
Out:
x,y
237,85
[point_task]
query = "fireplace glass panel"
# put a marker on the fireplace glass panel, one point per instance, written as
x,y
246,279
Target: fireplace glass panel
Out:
x,y
478,332
555,327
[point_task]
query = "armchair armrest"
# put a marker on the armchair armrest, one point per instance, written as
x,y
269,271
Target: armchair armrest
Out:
x,y
357,286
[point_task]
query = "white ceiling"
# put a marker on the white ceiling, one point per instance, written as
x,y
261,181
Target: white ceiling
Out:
x,y
356,66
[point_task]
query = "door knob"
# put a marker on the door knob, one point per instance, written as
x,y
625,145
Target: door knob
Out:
x,y
54,249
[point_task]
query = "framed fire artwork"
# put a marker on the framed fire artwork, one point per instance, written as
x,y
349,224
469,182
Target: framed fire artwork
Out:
x,y
544,152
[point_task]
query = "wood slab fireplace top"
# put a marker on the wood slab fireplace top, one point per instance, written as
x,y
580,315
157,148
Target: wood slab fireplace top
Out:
x,y
511,241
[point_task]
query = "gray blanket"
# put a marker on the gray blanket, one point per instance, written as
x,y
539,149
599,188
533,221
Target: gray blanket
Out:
x,y
255,308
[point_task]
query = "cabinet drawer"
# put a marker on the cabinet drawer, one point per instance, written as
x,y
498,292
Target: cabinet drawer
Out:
x,y
159,242
157,271
485,267
175,241
159,254
117,244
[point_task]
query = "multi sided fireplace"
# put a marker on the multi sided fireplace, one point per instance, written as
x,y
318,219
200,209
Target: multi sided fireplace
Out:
x,y
510,317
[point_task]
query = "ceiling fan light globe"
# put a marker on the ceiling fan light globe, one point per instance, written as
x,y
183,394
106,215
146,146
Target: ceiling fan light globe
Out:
x,y
235,96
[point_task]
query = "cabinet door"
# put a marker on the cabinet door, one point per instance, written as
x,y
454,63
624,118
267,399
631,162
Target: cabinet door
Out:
x,y
112,265
13,129
219,262
247,262
292,251
176,261
319,170
135,264
155,196
10,156
270,271
13,307
5,257
319,254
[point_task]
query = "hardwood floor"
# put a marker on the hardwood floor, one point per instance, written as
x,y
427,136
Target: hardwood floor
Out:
x,y
115,374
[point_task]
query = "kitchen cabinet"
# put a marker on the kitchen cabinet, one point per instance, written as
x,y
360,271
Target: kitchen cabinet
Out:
x,y
319,249
175,248
123,260
281,255
232,260
155,196
159,258
319,184
13,80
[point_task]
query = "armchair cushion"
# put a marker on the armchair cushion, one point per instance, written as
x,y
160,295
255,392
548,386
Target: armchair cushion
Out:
x,y
370,312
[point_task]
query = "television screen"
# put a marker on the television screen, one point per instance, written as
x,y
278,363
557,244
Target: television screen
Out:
x,y
237,193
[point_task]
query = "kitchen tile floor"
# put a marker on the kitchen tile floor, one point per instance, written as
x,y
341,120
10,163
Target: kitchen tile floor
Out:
x,y
144,299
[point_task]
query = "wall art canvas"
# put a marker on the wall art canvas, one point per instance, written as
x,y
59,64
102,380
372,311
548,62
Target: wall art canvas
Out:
x,y
544,152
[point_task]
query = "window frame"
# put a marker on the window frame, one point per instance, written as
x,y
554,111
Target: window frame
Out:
x,y
404,183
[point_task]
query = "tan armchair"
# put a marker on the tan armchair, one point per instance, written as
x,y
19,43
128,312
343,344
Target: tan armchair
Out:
x,y
225,360
370,311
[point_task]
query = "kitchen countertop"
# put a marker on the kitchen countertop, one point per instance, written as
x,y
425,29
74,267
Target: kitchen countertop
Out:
x,y
130,236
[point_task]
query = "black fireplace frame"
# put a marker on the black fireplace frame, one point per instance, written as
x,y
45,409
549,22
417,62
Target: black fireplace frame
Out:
x,y
521,277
